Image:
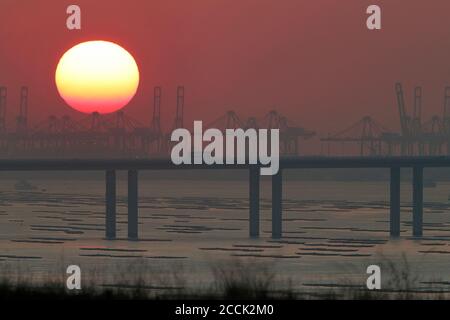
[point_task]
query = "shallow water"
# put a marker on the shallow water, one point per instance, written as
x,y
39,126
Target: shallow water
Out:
x,y
332,232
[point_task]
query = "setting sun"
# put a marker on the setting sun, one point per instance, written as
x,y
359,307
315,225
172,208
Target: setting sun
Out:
x,y
97,76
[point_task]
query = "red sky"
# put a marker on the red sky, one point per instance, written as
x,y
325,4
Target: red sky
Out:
x,y
314,60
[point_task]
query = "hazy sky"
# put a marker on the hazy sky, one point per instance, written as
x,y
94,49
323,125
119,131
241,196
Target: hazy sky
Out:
x,y
314,60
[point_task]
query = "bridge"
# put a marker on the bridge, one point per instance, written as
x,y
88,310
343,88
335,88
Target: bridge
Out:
x,y
133,166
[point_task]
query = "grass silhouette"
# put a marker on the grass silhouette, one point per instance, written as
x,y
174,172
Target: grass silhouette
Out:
x,y
234,280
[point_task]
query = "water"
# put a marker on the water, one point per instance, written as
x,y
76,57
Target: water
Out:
x,y
332,232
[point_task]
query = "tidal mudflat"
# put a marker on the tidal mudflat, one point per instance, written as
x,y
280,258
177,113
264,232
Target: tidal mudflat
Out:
x,y
332,232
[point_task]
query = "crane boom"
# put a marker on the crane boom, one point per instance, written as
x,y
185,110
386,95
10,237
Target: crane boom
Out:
x,y
447,110
3,93
417,119
401,109
180,108
156,120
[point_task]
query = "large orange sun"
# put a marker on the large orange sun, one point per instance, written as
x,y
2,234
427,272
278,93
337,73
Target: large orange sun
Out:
x,y
97,76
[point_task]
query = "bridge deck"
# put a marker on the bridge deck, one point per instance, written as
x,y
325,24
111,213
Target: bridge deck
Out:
x,y
166,164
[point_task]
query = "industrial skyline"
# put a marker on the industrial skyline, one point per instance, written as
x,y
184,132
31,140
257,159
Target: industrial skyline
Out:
x,y
119,134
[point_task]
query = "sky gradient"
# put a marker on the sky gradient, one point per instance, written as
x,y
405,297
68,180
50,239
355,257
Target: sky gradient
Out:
x,y
314,61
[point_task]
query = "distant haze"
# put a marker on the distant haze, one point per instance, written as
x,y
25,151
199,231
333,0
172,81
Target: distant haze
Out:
x,y
314,60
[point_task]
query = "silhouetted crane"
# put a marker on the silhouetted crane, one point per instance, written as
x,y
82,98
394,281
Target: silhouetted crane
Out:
x,y
3,95
22,118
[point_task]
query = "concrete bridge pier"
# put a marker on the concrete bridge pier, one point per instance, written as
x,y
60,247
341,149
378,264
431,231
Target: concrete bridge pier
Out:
x,y
132,205
277,199
110,220
395,202
254,185
417,201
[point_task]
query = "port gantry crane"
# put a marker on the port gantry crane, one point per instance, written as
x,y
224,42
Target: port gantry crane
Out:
x,y
150,138
3,95
446,119
405,122
417,121
290,134
166,143
428,137
367,135
3,134
22,118
156,131
20,139
416,137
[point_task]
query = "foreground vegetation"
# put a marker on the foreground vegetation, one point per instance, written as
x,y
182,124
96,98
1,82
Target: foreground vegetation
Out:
x,y
235,281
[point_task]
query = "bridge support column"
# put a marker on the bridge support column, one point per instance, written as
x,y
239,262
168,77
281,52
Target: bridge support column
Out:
x,y
417,201
110,220
254,202
132,204
395,202
277,199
